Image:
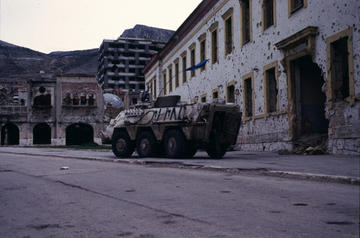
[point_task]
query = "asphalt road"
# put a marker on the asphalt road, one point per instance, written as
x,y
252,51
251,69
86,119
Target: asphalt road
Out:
x,y
99,199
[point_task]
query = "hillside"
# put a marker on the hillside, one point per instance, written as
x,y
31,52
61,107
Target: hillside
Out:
x,y
20,62
17,61
147,32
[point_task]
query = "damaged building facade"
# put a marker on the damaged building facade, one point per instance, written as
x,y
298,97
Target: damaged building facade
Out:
x,y
121,63
67,110
293,66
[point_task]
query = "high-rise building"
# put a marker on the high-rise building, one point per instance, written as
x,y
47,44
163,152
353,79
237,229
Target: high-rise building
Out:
x,y
121,61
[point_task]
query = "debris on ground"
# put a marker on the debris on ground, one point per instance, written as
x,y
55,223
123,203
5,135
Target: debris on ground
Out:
x,y
313,144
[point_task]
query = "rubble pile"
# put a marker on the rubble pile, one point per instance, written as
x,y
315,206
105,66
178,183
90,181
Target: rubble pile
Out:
x,y
313,144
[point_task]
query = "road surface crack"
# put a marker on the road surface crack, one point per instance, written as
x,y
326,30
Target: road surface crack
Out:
x,y
134,203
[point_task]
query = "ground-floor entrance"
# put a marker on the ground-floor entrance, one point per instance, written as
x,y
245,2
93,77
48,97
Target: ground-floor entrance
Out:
x,y
308,99
9,134
79,134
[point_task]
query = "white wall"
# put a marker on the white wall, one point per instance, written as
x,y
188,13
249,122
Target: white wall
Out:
x,y
330,16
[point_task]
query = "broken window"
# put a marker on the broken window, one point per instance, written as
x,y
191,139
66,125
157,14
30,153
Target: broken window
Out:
x,y
228,35
67,99
91,100
176,74
203,98
248,102
340,68
43,99
296,5
184,68
214,47
272,92
76,100
230,94
192,59
268,11
83,99
216,94
170,80
246,21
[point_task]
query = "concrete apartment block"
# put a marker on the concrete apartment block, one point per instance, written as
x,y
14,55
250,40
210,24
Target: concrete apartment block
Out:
x,y
121,63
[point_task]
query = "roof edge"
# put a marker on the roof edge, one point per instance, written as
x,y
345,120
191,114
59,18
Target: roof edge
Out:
x,y
193,19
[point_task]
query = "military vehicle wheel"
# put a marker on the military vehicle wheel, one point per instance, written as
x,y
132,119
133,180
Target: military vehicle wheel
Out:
x,y
174,144
216,150
146,145
122,146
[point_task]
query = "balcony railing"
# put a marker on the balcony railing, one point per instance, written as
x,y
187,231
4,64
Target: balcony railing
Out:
x,y
12,110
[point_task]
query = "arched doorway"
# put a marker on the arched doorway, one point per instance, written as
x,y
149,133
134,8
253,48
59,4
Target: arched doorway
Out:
x,y
42,134
79,134
9,134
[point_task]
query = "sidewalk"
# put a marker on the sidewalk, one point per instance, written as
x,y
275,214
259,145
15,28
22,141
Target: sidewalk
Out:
x,y
332,168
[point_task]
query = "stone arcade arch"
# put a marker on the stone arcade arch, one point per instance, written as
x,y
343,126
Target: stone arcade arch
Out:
x,y
9,134
42,134
79,134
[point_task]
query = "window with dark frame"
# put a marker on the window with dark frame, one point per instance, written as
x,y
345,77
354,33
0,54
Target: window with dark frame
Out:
x,y
231,94
268,9
170,80
67,99
248,97
83,100
76,100
176,74
228,35
272,91
202,53
192,61
184,69
214,48
296,5
91,100
246,21
215,94
164,83
340,68
154,85
203,99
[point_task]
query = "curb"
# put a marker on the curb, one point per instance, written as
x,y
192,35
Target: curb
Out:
x,y
182,165
316,177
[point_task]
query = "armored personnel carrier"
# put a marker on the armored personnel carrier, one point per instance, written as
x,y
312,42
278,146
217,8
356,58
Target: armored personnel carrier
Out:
x,y
175,130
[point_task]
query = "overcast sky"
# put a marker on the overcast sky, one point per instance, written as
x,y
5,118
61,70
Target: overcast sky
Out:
x,y
59,25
